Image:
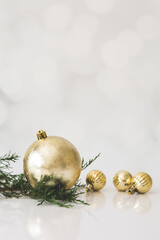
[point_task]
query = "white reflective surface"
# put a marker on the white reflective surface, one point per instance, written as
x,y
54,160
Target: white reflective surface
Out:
x,y
111,215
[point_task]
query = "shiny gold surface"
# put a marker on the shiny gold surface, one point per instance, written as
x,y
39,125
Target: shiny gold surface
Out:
x,y
122,180
141,183
95,180
52,156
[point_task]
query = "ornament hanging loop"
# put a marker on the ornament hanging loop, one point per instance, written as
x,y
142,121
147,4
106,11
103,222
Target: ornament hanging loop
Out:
x,y
41,134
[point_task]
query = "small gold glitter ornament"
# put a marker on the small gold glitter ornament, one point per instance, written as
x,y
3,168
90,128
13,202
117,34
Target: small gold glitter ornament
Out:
x,y
52,156
95,180
122,180
141,183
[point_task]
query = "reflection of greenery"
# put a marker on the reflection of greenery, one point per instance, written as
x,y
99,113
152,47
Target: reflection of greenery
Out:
x,y
12,185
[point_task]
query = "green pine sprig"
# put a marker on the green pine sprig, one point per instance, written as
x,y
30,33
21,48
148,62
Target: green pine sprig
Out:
x,y
16,185
86,164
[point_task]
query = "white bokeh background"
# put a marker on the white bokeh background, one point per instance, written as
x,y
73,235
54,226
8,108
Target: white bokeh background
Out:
x,y
85,70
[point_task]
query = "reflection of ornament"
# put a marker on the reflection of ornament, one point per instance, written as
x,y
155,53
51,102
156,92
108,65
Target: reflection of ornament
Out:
x,y
139,203
122,180
41,223
142,203
96,200
52,156
141,183
123,201
95,180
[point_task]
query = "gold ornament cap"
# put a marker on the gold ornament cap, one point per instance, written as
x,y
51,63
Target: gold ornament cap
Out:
x,y
132,189
89,187
41,134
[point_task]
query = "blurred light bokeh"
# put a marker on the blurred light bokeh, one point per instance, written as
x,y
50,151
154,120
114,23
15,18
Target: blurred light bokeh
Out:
x,y
85,70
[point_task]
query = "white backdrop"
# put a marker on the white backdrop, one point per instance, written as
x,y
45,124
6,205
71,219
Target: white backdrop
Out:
x,y
85,70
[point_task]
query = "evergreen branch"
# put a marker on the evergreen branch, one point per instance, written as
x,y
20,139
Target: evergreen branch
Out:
x,y
86,164
6,159
17,185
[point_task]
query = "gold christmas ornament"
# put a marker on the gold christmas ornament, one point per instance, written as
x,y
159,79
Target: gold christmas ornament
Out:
x,y
52,156
141,183
95,180
122,180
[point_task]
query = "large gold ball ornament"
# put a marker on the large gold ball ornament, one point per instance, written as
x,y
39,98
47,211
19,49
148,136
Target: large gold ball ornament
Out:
x,y
122,180
52,156
141,183
95,180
